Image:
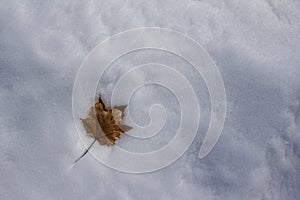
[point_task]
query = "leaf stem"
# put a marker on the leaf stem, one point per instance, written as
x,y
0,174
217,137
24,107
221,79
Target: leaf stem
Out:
x,y
85,152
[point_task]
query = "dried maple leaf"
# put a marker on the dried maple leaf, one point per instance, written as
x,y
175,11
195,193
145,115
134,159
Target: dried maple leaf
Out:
x,y
104,125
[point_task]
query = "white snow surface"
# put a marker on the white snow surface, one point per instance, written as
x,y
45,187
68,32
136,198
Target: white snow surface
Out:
x,y
255,44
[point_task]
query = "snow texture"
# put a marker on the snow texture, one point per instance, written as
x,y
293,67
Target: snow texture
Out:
x,y
255,44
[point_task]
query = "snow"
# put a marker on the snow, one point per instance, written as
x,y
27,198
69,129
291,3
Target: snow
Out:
x,y
256,46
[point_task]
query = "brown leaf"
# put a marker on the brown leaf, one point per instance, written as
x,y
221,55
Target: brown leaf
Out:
x,y
105,125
